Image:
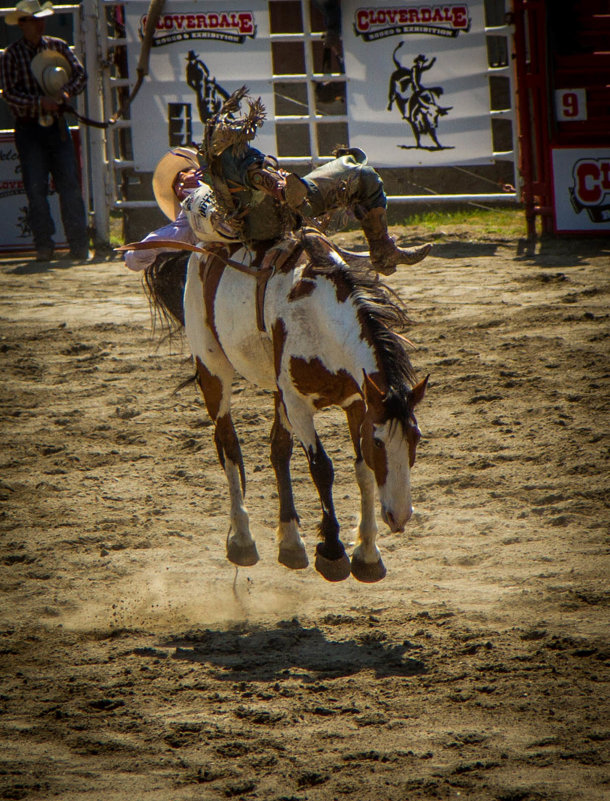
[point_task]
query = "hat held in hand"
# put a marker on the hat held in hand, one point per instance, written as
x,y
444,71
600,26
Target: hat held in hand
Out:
x,y
29,8
52,70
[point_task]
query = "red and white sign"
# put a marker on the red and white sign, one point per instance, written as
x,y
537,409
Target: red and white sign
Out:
x,y
232,26
374,22
15,232
570,105
581,186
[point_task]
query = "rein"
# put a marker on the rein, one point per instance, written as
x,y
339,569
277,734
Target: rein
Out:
x,y
173,244
262,274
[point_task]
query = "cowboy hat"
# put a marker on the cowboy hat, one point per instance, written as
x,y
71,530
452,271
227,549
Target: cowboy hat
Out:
x,y
177,160
28,8
52,70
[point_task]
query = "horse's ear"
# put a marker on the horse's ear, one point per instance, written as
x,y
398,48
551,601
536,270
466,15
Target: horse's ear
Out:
x,y
419,390
372,394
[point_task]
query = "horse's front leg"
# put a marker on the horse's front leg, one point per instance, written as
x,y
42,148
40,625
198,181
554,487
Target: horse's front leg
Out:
x,y
292,551
366,559
331,559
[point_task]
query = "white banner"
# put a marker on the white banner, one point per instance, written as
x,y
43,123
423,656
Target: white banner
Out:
x,y
418,92
581,187
201,53
15,231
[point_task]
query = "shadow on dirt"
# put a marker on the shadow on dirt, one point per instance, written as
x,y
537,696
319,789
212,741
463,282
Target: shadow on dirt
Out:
x,y
260,654
459,249
36,267
29,266
557,252
544,252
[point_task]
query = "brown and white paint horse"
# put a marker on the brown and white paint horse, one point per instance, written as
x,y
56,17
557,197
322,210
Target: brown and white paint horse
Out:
x,y
327,340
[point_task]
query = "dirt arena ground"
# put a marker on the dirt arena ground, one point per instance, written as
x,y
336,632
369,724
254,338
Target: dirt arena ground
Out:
x,y
138,665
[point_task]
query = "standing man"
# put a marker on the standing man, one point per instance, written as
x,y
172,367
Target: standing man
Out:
x,y
37,76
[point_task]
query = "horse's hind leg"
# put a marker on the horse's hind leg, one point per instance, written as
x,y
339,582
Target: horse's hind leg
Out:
x,y
292,552
241,549
215,374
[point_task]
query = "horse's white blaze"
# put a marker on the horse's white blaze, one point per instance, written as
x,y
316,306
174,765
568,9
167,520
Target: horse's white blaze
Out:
x,y
395,492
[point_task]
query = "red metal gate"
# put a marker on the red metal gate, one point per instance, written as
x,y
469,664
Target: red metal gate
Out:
x,y
562,64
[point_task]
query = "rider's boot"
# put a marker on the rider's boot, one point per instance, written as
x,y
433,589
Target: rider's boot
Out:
x,y
384,253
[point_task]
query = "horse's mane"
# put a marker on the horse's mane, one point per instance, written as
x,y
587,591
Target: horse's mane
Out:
x,y
383,315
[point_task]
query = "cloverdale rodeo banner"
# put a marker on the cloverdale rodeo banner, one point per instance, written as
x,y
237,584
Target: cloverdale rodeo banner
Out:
x,y
418,92
201,52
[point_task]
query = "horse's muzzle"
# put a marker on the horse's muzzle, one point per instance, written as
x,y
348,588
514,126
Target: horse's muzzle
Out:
x,y
396,525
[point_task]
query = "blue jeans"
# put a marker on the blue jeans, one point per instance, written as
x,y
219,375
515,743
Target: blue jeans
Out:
x,y
50,151
347,181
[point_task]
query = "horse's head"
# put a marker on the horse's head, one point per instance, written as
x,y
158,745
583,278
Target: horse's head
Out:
x,y
389,437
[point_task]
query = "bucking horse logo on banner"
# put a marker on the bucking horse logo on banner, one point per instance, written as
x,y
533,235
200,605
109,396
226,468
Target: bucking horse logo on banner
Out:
x,y
418,104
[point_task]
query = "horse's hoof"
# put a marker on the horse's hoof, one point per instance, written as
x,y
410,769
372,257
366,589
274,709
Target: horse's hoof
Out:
x,y
333,569
242,555
368,572
294,558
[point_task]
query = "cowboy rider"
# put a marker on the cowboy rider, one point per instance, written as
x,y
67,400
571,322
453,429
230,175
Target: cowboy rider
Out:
x,y
259,202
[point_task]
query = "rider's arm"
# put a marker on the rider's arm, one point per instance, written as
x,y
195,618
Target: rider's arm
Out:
x,y
179,230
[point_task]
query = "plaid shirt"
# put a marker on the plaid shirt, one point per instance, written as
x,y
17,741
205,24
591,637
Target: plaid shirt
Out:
x,y
19,87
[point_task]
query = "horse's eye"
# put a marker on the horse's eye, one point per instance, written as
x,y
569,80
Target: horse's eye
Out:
x,y
378,443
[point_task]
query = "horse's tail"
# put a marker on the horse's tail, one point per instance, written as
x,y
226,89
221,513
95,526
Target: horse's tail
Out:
x,y
164,283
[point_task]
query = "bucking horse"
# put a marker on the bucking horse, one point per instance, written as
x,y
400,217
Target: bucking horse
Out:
x,y
315,331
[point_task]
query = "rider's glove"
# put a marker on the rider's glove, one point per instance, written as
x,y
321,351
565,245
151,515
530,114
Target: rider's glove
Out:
x,y
268,178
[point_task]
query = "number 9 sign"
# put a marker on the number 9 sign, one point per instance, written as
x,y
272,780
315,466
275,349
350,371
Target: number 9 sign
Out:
x,y
570,104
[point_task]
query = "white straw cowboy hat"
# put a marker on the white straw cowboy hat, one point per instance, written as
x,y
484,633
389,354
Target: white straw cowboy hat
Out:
x,y
177,160
29,8
52,70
